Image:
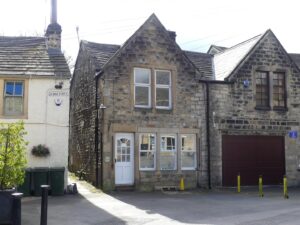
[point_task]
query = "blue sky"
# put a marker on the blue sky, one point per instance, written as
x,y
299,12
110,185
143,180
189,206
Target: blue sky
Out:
x,y
198,23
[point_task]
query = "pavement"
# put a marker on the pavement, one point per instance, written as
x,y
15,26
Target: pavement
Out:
x,y
218,207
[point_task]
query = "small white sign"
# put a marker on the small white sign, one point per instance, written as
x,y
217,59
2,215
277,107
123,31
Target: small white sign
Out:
x,y
58,95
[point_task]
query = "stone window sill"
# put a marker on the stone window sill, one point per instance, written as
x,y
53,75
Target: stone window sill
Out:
x,y
263,108
280,109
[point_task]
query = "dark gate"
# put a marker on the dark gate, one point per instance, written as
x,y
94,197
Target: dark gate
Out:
x,y
252,156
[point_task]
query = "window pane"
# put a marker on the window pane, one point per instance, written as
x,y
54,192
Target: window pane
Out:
x,y
147,151
262,89
167,160
168,143
188,142
162,97
142,76
147,142
9,88
147,160
142,96
13,106
163,77
188,159
278,89
18,105
19,89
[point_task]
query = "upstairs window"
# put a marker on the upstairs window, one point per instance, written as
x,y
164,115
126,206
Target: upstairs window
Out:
x,y
279,90
262,89
142,88
13,98
163,89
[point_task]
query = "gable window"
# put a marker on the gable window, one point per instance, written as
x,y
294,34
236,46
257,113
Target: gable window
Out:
x,y
168,152
163,89
147,143
188,151
13,98
262,89
279,90
142,88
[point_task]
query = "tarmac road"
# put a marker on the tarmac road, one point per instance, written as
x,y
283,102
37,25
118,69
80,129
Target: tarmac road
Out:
x,y
92,207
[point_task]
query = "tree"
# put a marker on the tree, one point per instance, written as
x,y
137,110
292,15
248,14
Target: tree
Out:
x,y
12,154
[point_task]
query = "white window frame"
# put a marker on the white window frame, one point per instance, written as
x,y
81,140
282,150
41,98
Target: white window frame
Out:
x,y
14,96
193,151
136,84
173,151
164,86
151,151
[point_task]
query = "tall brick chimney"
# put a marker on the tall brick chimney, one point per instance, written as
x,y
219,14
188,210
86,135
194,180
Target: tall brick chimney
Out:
x,y
53,32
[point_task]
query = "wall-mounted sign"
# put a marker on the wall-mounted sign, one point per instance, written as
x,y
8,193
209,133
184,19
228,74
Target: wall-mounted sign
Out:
x,y
293,134
58,96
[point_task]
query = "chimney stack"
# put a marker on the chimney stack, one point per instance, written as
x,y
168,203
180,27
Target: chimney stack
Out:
x,y
172,35
53,32
53,11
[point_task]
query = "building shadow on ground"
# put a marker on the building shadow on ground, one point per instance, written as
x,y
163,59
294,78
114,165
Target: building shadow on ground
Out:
x,y
66,210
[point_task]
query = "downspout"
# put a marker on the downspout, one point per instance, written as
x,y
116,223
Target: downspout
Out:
x,y
97,132
208,134
207,82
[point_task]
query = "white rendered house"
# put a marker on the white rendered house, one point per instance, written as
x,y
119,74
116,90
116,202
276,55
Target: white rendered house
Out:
x,y
34,87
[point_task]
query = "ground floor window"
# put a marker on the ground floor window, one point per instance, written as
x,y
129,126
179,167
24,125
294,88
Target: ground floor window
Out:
x,y
159,151
168,152
147,143
188,151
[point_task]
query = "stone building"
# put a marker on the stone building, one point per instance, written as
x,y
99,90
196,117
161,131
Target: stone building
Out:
x,y
147,135
255,117
147,113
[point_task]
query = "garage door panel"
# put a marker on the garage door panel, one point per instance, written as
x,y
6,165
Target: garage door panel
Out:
x,y
251,156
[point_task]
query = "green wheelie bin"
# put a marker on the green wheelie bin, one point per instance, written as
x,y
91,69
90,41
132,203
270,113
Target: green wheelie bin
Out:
x,y
39,177
57,180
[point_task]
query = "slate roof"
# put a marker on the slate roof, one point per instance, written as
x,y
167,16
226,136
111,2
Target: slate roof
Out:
x,y
100,52
296,58
103,52
216,48
29,56
203,62
225,62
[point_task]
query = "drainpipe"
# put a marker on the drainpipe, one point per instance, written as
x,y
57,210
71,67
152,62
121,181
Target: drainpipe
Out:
x,y
208,134
97,132
207,82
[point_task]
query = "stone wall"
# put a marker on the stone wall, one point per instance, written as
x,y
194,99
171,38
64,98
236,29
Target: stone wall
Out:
x,y
233,107
82,118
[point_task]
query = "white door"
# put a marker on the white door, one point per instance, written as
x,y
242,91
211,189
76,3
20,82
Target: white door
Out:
x,y
124,169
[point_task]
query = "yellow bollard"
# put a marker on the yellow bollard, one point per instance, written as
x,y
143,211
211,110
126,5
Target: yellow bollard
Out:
x,y
181,187
285,192
260,186
238,183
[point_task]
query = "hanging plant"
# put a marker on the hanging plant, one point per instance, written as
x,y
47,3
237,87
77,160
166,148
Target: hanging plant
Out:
x,y
40,151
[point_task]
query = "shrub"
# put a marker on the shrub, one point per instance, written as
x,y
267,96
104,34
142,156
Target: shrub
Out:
x,y
12,154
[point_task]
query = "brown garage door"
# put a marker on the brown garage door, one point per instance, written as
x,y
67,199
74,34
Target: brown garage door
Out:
x,y
252,156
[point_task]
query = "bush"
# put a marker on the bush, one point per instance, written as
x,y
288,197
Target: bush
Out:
x,y
12,154
40,151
